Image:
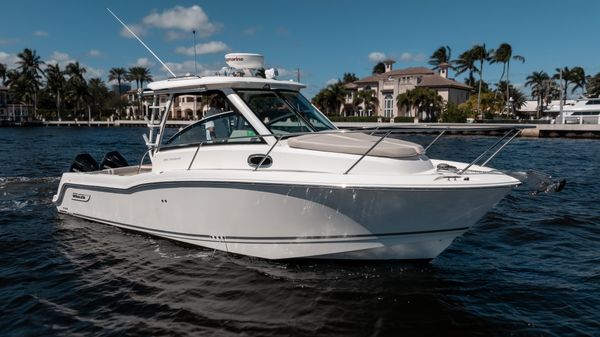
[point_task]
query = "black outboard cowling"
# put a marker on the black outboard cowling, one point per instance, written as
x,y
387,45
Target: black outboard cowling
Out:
x,y
113,159
84,163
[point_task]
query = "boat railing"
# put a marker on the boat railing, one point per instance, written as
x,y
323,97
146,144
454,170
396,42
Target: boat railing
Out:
x,y
486,156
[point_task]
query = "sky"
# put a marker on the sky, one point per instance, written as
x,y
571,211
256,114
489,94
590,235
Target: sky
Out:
x,y
324,39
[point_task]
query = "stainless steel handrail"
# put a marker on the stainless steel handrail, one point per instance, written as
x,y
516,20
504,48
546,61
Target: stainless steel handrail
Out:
x,y
268,152
435,140
501,147
368,151
487,150
512,133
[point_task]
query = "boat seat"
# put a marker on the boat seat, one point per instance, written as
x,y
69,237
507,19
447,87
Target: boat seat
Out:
x,y
356,143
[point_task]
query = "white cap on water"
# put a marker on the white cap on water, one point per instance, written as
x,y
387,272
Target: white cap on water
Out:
x,y
244,60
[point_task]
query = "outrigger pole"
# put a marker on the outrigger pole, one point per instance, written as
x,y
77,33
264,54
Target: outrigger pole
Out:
x,y
142,42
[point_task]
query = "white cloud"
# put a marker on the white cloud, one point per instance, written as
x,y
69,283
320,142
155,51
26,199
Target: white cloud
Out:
x,y
92,72
62,59
188,19
40,33
204,48
176,35
331,81
9,59
144,62
188,67
94,53
377,56
251,31
139,30
410,57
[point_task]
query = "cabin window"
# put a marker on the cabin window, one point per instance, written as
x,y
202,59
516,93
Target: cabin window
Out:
x,y
273,111
226,127
220,122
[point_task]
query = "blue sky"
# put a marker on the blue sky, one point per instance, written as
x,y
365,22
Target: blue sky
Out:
x,y
323,38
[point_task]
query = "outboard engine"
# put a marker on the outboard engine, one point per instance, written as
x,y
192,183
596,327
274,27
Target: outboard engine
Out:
x,y
84,163
113,159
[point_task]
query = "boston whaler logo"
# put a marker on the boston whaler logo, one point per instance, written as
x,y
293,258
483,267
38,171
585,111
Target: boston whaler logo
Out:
x,y
80,197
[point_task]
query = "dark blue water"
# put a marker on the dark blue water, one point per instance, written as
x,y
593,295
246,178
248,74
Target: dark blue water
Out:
x,y
531,267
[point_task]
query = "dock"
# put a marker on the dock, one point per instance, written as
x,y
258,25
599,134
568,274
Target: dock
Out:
x,y
536,131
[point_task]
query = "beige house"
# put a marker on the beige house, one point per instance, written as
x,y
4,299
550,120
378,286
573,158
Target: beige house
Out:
x,y
387,86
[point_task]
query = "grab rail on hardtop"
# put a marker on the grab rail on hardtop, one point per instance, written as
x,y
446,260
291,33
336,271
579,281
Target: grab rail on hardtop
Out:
x,y
511,133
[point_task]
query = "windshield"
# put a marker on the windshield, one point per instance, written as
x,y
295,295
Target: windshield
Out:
x,y
299,103
285,112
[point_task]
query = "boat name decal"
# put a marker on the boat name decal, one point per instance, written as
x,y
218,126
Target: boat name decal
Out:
x,y
80,197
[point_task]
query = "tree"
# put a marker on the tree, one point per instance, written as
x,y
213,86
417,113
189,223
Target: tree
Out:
x,y
368,100
441,56
481,54
379,68
422,100
56,84
503,54
349,78
466,63
406,100
3,71
578,78
117,74
77,91
139,75
566,75
539,81
337,95
97,95
29,64
593,87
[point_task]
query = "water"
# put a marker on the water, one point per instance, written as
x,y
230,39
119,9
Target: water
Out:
x,y
531,267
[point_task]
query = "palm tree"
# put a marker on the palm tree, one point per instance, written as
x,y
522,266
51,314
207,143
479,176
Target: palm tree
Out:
x,y
77,91
593,87
539,83
139,75
565,75
503,54
56,84
98,92
337,95
30,66
481,54
349,78
406,100
579,79
117,74
440,56
20,86
3,71
466,62
368,99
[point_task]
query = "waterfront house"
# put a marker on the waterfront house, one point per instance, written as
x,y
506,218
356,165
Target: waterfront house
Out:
x,y
388,85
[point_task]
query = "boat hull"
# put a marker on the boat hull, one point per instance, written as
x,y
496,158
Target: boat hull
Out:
x,y
282,221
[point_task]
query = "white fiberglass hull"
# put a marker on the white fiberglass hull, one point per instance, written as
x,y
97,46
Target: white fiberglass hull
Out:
x,y
281,221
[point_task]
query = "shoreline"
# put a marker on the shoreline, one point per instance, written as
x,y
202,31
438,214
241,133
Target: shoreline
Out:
x,y
584,131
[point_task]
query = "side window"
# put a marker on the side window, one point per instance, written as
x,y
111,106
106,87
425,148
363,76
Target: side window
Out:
x,y
225,127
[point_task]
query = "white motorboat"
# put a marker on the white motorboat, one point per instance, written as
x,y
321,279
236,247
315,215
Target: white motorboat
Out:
x,y
270,176
582,111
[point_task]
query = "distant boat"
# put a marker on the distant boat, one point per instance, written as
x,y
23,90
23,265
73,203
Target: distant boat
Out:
x,y
583,111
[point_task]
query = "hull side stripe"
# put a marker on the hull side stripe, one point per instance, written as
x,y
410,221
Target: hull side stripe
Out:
x,y
249,239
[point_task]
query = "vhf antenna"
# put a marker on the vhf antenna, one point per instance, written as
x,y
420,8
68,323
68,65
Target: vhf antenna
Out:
x,y
195,62
142,42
